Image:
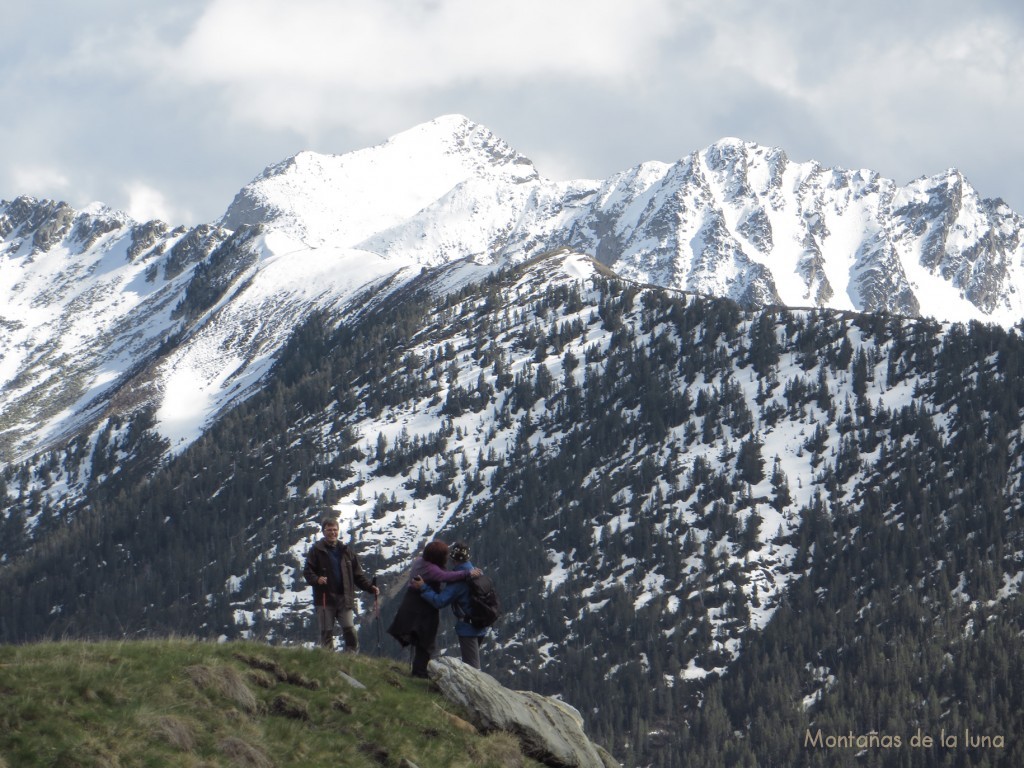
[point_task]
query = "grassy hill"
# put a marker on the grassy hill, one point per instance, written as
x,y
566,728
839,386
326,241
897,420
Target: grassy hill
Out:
x,y
181,702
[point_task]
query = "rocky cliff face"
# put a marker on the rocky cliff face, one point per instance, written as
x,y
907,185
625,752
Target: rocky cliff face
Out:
x,y
743,221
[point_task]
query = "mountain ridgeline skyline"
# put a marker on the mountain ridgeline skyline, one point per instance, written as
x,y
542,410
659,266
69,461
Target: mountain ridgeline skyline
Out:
x,y
95,305
728,531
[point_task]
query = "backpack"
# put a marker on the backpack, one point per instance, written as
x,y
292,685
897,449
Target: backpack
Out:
x,y
484,605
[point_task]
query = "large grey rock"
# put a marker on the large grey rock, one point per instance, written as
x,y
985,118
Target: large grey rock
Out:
x,y
550,730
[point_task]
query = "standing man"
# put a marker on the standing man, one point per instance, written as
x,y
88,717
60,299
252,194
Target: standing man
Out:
x,y
456,594
332,569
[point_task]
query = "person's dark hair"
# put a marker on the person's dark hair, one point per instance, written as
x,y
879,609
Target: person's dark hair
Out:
x,y
327,520
436,552
459,552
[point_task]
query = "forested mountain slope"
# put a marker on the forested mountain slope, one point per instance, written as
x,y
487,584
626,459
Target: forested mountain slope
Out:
x,y
716,530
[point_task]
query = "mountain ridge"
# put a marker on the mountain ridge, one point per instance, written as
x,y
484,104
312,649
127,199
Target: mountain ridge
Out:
x,y
735,220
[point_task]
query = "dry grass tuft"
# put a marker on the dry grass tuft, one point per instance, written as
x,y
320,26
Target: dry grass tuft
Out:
x,y
375,752
267,665
292,678
262,679
340,703
499,749
456,721
243,754
289,706
226,681
176,732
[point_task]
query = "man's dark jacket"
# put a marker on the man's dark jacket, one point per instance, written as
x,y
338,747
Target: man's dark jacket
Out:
x,y
340,595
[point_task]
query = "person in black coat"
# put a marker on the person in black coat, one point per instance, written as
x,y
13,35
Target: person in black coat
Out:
x,y
333,570
416,621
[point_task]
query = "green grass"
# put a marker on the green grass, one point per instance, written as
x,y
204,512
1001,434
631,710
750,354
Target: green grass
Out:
x,y
188,703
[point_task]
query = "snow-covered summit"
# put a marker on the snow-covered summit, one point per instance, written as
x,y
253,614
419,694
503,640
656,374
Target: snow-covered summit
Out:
x,y
735,219
344,199
743,221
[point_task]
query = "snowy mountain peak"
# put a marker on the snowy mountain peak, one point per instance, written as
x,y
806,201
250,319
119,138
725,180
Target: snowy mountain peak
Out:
x,y
736,219
728,150
341,200
458,135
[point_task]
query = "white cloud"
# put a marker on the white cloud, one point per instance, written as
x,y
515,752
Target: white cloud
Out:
x,y
39,181
317,63
854,56
399,46
146,203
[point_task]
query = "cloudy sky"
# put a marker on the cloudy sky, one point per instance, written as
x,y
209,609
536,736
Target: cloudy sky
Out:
x,y
166,109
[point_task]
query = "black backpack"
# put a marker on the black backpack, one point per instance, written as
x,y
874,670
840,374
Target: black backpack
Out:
x,y
484,605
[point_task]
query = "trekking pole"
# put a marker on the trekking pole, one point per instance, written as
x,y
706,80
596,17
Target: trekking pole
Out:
x,y
323,618
376,613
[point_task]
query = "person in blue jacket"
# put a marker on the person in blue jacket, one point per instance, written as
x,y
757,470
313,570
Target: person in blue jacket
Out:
x,y
456,594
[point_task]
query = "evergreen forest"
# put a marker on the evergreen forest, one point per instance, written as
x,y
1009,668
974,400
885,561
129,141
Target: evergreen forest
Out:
x,y
728,537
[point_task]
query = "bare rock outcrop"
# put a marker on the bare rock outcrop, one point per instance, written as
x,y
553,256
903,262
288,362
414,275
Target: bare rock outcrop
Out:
x,y
549,730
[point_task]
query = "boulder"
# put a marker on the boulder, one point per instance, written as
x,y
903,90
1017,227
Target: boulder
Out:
x,y
549,730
